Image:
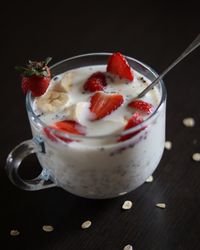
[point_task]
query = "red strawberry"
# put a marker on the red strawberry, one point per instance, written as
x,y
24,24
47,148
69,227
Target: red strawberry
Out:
x,y
25,85
118,65
102,104
49,134
132,122
35,77
38,85
141,105
95,82
67,126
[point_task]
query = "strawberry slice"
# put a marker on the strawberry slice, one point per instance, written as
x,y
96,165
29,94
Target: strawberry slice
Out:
x,y
132,122
67,126
95,82
49,133
118,65
102,104
141,105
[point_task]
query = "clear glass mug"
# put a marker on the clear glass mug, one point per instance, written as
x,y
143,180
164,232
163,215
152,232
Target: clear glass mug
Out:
x,y
96,167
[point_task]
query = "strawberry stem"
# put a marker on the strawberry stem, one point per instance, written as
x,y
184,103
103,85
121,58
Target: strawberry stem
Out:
x,y
47,60
36,68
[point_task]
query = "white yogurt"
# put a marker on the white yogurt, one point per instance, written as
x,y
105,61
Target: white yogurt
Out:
x,y
104,168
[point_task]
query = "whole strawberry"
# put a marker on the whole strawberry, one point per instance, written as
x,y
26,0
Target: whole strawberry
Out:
x,y
35,77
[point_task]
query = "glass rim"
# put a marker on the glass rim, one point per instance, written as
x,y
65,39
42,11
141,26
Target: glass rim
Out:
x,y
113,135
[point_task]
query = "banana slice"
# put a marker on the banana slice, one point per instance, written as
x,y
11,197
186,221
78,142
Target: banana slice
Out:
x,y
65,84
52,101
120,120
78,112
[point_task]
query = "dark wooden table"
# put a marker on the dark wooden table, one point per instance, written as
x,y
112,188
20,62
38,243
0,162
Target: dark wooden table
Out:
x,y
154,34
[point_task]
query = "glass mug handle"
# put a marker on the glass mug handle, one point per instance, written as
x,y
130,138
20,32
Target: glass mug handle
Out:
x,y
17,155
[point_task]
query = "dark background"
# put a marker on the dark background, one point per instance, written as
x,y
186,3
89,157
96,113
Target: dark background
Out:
x,y
153,33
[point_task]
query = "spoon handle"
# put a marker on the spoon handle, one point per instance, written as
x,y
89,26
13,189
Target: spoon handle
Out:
x,y
186,52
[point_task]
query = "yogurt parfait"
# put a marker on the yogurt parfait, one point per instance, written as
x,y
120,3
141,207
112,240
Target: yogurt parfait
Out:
x,y
99,141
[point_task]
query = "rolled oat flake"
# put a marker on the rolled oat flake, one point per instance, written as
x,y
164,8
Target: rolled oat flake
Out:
x,y
161,205
189,122
48,228
127,205
86,224
150,178
128,247
168,145
14,232
196,156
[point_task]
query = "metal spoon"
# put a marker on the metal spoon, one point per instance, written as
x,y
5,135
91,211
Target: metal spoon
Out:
x,y
186,52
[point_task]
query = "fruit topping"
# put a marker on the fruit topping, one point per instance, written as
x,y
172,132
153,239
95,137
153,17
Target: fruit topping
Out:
x,y
118,65
142,106
102,104
95,82
65,83
51,101
132,122
35,77
67,126
78,112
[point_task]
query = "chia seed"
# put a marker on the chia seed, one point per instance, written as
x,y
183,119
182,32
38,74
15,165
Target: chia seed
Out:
x,y
55,78
142,79
39,115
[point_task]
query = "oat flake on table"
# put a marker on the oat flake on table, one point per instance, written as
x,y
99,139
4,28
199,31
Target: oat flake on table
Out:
x,y
189,122
127,205
128,247
168,145
14,232
196,156
86,224
161,205
48,228
149,179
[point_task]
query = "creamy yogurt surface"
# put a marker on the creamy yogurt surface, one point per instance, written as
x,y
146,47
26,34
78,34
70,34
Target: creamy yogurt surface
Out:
x,y
71,102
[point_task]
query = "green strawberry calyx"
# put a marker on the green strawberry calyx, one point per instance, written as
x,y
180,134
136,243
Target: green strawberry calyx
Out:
x,y
35,68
